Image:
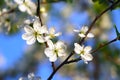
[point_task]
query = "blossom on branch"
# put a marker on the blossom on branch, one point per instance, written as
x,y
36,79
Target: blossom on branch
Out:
x,y
26,6
55,50
35,33
52,34
83,31
84,52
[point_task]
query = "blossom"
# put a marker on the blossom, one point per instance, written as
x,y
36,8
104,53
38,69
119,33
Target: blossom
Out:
x,y
55,50
52,34
83,31
35,33
84,52
31,76
26,6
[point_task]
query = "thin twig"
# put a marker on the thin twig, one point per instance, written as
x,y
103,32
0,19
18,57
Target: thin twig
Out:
x,y
10,11
43,2
97,49
38,12
53,66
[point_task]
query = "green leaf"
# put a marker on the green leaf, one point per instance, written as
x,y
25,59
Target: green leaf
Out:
x,y
117,32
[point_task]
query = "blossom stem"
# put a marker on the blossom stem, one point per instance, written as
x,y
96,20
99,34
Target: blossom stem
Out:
x,y
53,66
38,12
96,18
97,49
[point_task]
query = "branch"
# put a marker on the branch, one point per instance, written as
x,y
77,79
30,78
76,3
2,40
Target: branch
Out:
x,y
38,12
96,18
45,2
10,11
97,49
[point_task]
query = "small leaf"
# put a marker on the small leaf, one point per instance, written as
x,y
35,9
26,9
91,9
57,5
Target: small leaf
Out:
x,y
117,32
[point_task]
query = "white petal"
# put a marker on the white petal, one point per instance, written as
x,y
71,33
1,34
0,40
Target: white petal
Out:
x,y
27,21
52,30
76,30
37,25
78,48
53,58
81,35
50,44
61,53
29,11
58,34
31,75
40,39
49,52
60,45
28,29
47,38
84,29
27,36
31,40
22,8
21,78
19,1
90,35
43,29
87,49
86,57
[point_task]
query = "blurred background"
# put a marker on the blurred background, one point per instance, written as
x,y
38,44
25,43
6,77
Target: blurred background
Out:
x,y
17,59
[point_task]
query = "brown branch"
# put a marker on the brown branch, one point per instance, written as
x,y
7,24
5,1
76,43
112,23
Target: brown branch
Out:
x,y
53,66
10,11
38,12
97,49
44,2
97,17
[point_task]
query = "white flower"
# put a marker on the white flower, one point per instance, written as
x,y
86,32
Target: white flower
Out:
x,y
84,52
31,75
83,31
55,50
52,33
26,6
34,33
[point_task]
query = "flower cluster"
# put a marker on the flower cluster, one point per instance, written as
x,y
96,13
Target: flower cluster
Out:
x,y
42,34
84,52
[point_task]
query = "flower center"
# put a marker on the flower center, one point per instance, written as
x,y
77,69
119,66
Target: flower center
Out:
x,y
56,52
36,34
82,52
82,32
